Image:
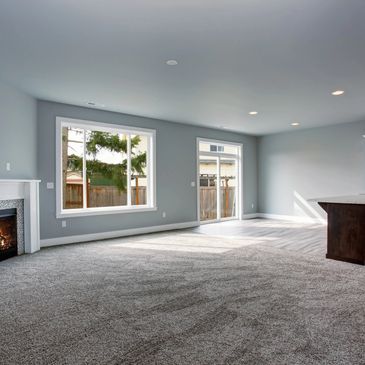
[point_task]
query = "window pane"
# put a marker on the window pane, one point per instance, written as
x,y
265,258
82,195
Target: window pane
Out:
x,y
209,147
72,167
139,181
106,169
204,147
228,187
208,188
216,148
228,148
219,148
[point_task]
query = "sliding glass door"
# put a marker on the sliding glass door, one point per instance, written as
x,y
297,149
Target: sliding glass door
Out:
x,y
228,187
219,183
208,188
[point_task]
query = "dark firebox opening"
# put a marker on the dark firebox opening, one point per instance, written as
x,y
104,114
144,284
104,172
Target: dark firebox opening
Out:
x,y
8,234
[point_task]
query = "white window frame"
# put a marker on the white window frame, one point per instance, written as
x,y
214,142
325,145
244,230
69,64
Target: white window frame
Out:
x,y
239,169
111,128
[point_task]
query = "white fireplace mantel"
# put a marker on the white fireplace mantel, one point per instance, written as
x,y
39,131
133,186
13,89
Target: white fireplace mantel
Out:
x,y
28,190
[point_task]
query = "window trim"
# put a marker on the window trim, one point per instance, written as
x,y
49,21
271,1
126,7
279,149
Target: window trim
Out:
x,y
113,128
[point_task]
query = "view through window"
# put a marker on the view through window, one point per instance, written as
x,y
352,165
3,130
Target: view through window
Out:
x,y
105,167
218,180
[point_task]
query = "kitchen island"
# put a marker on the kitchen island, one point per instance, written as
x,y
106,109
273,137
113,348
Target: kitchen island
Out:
x,y
346,227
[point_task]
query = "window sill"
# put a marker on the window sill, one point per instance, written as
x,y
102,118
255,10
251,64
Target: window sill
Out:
x,y
103,211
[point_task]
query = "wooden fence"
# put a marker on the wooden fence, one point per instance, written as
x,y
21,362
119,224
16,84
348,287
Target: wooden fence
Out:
x,y
73,196
208,202
102,196
107,196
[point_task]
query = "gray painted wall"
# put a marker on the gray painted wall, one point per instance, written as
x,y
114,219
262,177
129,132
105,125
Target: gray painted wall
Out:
x,y
18,134
318,162
176,168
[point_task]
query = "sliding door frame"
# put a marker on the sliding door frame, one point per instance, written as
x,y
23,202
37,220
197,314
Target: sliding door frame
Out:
x,y
239,185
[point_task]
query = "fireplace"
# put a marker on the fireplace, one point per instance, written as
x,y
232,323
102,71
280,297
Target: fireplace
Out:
x,y
23,195
8,233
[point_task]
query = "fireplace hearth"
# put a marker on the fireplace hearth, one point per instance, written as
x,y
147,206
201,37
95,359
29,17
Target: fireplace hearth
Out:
x,y
8,233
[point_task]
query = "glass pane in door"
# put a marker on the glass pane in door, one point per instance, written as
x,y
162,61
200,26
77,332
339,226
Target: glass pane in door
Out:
x,y
208,188
228,187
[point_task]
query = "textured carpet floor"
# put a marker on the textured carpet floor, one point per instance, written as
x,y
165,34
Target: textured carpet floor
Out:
x,y
180,298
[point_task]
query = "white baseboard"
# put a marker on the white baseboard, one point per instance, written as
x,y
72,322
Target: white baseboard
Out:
x,y
292,218
250,216
115,234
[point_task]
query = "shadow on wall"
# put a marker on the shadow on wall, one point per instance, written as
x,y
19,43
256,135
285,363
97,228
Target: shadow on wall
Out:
x,y
305,209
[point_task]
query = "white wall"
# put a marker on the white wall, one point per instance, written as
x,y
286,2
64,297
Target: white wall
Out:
x,y
303,164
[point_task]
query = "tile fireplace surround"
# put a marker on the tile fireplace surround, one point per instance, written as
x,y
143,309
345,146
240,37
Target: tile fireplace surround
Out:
x,y
24,196
18,204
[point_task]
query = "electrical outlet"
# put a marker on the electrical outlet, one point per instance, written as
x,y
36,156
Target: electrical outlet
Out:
x,y
64,224
163,214
252,205
8,166
192,184
50,185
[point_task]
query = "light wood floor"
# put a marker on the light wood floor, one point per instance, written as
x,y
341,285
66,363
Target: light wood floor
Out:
x,y
301,237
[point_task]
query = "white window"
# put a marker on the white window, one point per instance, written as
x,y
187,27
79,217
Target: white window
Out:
x,y
103,168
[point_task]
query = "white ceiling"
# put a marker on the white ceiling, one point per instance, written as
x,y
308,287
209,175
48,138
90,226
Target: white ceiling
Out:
x,y
281,58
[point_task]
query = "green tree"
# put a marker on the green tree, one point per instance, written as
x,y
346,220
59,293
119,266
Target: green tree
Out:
x,y
116,173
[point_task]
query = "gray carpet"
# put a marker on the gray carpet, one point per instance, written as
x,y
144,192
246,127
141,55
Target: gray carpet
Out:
x,y
180,298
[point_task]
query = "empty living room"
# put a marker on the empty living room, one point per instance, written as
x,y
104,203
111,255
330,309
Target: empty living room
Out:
x,y
182,182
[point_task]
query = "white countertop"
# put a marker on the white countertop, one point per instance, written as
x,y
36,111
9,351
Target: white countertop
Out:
x,y
351,199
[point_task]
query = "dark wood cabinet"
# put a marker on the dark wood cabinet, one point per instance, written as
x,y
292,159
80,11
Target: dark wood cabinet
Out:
x,y
346,231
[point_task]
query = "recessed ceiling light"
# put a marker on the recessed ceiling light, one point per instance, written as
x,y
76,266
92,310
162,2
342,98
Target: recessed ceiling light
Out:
x,y
253,113
171,62
295,124
337,92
